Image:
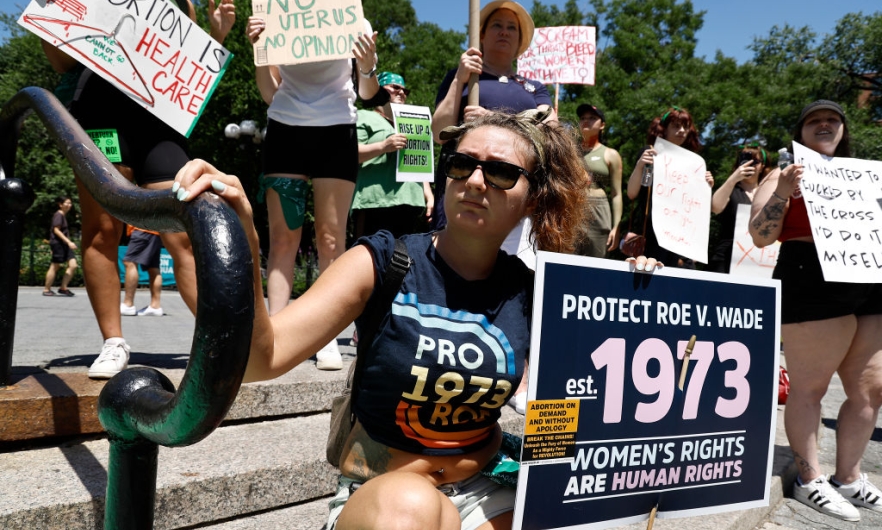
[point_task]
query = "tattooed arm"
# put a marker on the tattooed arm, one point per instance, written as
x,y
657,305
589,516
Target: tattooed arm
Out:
x,y
770,204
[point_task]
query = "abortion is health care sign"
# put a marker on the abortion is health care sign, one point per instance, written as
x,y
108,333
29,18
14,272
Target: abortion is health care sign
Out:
x,y
149,49
416,162
563,55
307,31
608,433
843,197
680,201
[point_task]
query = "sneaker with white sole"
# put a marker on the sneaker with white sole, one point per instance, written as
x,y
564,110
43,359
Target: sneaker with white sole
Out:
x,y
328,358
519,403
861,493
127,310
113,359
150,312
822,496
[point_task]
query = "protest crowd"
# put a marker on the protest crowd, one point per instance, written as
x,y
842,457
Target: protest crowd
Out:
x,y
512,177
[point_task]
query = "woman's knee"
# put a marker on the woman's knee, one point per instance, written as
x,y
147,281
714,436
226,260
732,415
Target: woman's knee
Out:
x,y
400,500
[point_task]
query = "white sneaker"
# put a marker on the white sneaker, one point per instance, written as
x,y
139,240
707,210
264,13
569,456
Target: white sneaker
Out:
x,y
328,358
127,310
150,312
113,359
822,496
519,403
861,493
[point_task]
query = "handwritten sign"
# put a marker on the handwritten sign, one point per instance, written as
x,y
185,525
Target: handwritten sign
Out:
x,y
306,31
680,201
151,51
416,162
563,54
842,198
747,260
608,433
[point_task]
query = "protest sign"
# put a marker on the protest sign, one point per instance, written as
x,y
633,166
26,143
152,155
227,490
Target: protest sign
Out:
x,y
747,259
563,54
150,50
680,201
416,162
608,433
842,197
306,31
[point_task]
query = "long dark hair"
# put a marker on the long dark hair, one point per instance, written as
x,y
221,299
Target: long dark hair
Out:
x,y
675,115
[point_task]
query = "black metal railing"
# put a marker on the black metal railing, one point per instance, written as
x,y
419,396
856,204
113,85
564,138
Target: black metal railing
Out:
x,y
139,407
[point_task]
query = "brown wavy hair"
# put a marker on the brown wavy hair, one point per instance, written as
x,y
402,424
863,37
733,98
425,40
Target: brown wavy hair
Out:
x,y
558,180
675,115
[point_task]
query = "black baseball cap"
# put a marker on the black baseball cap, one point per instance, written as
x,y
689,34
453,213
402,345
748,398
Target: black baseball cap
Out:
x,y
821,104
585,107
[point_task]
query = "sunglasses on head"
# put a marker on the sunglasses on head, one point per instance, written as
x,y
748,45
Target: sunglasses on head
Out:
x,y
399,87
499,175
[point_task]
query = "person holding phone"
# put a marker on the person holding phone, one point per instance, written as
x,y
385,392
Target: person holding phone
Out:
x,y
827,328
751,166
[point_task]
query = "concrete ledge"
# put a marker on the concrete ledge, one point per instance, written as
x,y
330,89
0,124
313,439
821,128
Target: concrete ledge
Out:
x,y
238,469
42,405
45,405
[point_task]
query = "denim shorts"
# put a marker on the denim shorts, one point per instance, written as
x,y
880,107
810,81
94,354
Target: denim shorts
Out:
x,y
478,500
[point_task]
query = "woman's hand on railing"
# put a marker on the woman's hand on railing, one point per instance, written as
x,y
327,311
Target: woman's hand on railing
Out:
x,y
644,264
198,176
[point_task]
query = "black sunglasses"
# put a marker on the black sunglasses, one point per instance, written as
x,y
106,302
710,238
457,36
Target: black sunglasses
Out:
x,y
499,175
401,88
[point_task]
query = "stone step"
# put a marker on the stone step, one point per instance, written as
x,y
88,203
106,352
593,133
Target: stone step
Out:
x,y
238,469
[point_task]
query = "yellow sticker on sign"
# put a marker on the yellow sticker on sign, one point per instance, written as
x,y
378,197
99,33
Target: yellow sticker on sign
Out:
x,y
552,416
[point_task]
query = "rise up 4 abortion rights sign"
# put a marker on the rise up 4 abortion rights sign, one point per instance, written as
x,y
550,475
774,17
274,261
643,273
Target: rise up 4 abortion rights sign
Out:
x,y
150,50
843,197
609,434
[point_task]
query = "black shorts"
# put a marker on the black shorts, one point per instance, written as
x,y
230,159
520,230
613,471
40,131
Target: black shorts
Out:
x,y
144,249
61,252
153,150
806,296
317,152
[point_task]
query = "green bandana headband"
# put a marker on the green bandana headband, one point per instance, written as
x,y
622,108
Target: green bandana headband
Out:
x,y
389,78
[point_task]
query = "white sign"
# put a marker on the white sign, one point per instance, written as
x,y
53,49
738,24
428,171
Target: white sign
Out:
x,y
680,201
842,198
747,259
416,162
562,54
306,31
151,51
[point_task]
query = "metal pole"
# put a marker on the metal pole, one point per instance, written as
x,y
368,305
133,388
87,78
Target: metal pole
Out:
x,y
16,197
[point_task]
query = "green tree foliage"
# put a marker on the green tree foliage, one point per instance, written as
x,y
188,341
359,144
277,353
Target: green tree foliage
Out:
x,y
38,161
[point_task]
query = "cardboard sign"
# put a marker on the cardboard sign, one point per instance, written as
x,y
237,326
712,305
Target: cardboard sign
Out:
x,y
563,54
306,31
680,201
150,50
416,162
747,260
842,196
609,435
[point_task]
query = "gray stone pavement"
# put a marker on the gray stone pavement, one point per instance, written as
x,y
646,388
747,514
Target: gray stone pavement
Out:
x,y
58,334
